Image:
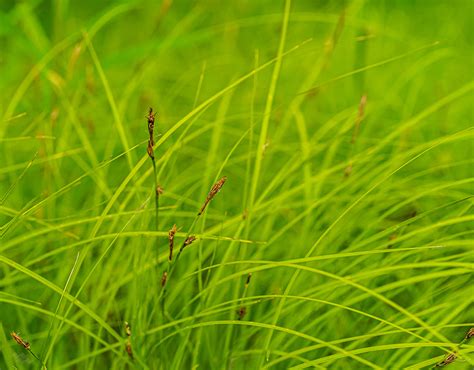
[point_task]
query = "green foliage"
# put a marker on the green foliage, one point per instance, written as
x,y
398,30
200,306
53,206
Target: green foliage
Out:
x,y
343,235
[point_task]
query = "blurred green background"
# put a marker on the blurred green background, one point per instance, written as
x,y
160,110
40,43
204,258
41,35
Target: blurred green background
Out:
x,y
344,129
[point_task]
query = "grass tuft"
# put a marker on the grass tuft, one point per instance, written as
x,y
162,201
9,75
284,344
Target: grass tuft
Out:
x,y
303,199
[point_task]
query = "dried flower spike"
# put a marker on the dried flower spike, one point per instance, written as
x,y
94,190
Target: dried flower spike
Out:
x,y
450,358
149,150
128,329
189,240
469,334
128,345
214,190
171,234
159,190
20,341
241,312
164,278
151,123
128,349
249,276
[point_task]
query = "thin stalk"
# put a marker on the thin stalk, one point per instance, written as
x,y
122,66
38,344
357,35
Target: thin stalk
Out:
x,y
151,153
157,196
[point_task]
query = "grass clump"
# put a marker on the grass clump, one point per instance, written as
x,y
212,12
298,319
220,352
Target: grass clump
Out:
x,y
317,162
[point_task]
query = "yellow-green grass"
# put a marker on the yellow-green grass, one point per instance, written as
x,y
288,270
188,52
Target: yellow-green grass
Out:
x,y
345,130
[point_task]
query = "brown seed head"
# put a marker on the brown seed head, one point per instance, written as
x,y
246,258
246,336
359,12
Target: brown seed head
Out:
x,y
470,334
249,276
189,240
212,193
164,278
128,349
159,190
241,312
149,149
450,358
171,234
20,341
151,122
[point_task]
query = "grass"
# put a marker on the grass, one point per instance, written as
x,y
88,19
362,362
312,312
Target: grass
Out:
x,y
312,168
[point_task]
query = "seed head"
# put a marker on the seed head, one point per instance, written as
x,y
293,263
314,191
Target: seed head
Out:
x,y
159,190
128,344
171,234
249,276
214,190
189,240
164,278
128,349
470,334
149,149
450,358
20,341
241,312
151,122
151,126
128,329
